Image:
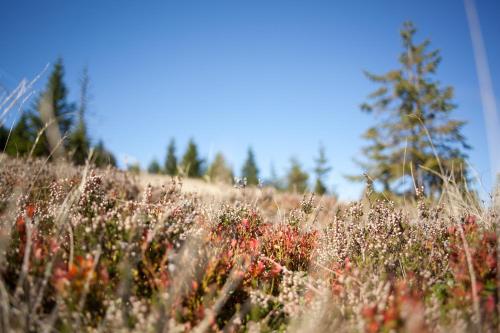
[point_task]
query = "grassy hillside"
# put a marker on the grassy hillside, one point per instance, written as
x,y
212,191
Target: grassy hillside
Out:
x,y
93,250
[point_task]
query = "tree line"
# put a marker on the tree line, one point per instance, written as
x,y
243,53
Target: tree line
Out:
x,y
219,171
413,146
54,127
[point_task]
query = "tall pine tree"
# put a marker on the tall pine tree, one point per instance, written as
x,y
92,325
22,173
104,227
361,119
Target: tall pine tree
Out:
x,y
55,98
250,170
415,136
21,138
192,165
171,159
154,167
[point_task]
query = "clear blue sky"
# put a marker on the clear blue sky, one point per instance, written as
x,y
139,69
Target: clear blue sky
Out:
x,y
280,76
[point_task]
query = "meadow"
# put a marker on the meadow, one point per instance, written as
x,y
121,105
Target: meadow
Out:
x,y
84,249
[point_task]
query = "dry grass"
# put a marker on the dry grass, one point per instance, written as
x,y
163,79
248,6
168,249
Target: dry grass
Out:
x,y
191,185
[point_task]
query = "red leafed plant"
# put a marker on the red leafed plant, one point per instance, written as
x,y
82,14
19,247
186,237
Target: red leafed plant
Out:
x,y
482,246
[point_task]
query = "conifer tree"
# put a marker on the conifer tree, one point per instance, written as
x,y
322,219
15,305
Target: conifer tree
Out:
x,y
297,178
4,134
103,157
55,95
250,170
79,143
191,164
63,110
171,160
134,168
219,171
415,137
21,138
154,167
321,170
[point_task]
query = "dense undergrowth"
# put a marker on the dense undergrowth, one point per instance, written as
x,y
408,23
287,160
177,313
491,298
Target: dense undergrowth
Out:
x,y
91,251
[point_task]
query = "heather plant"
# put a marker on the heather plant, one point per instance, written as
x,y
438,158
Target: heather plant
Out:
x,y
95,250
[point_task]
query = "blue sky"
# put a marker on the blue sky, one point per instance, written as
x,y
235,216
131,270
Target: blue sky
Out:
x,y
280,76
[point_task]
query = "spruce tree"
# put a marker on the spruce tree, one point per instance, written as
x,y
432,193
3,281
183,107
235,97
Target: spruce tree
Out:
x,y
191,164
63,110
297,178
103,157
250,170
134,168
55,95
415,136
321,170
21,138
154,167
219,171
171,160
79,142
4,134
